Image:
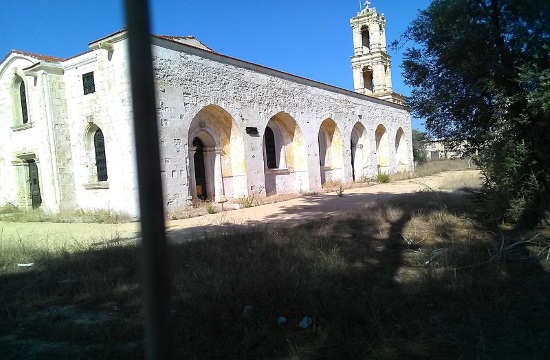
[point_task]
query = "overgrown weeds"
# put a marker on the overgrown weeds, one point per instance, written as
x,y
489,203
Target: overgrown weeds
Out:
x,y
248,201
416,277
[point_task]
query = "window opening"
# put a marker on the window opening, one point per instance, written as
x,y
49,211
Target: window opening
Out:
x,y
23,100
270,153
88,83
365,37
100,158
367,79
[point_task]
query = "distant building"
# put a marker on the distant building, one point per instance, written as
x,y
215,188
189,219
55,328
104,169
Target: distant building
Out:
x,y
437,150
227,128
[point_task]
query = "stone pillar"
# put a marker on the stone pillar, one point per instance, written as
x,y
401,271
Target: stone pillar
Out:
x,y
375,38
379,77
358,79
357,41
383,38
218,176
191,173
388,77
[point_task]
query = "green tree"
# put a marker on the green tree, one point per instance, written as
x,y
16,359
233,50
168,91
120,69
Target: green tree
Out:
x,y
420,141
480,72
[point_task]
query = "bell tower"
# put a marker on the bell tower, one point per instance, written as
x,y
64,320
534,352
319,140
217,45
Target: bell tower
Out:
x,y
370,62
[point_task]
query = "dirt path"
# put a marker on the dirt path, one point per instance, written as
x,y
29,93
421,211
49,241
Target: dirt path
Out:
x,y
303,209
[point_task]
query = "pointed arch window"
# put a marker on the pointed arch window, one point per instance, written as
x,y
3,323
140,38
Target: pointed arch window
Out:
x,y
21,117
100,158
23,103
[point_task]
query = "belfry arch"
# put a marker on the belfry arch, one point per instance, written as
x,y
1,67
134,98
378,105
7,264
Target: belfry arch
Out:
x,y
365,38
285,156
368,80
216,156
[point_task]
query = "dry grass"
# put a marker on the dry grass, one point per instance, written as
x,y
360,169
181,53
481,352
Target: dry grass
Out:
x,y
433,167
416,277
9,212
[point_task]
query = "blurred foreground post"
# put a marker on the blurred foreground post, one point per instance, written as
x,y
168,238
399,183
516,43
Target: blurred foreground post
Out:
x,y
157,289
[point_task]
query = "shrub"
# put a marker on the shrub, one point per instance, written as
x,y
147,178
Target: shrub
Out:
x,y
383,178
510,186
211,208
9,208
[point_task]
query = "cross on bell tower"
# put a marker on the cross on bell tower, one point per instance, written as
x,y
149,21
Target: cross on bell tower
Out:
x,y
370,62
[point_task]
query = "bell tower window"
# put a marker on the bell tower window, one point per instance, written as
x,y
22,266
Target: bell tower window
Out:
x,y
365,37
368,80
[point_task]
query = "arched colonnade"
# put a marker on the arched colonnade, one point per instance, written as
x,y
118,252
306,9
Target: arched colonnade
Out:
x,y
217,155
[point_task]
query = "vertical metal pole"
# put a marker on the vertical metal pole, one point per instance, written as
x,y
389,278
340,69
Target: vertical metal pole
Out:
x,y
157,288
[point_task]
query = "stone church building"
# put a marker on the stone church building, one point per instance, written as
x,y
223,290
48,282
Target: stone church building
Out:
x,y
227,127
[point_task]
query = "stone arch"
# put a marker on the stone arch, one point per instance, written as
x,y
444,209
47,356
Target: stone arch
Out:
x,y
290,173
222,147
19,92
365,38
382,149
331,151
368,78
14,79
359,152
401,146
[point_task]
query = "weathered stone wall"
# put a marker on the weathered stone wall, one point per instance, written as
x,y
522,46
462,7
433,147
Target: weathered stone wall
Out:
x,y
200,95
189,80
108,109
20,143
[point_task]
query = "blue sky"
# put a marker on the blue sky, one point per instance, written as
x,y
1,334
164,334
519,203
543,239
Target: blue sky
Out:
x,y
308,38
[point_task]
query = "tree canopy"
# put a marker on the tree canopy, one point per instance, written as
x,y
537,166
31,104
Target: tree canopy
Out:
x,y
480,72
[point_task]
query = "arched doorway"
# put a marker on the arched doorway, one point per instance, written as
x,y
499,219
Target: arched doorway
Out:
x,y
217,168
200,172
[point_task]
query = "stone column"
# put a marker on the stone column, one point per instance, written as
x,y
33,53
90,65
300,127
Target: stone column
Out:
x,y
388,77
218,176
191,173
379,77
375,39
357,41
358,79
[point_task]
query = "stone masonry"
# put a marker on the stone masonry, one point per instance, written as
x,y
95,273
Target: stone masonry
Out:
x,y
228,128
